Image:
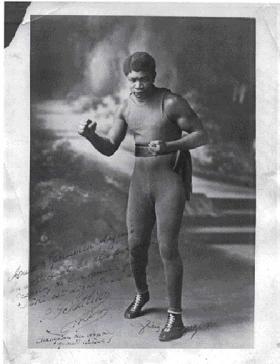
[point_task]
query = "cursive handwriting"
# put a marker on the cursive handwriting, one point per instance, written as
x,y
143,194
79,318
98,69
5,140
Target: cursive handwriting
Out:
x,y
85,319
79,302
109,240
195,328
18,274
68,295
59,339
148,324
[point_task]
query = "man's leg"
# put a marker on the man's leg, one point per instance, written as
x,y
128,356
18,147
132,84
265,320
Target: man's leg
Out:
x,y
169,211
140,222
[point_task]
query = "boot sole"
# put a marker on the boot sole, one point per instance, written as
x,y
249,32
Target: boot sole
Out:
x,y
130,317
135,315
162,339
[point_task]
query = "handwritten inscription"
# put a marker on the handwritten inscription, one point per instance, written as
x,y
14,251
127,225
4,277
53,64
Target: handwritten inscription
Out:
x,y
148,325
85,319
18,274
194,329
68,295
52,281
108,240
60,340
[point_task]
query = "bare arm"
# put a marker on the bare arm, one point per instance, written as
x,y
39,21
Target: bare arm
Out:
x,y
106,145
178,111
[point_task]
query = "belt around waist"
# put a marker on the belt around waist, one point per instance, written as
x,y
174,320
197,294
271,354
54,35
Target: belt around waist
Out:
x,y
142,150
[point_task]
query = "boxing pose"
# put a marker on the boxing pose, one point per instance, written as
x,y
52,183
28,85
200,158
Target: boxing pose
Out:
x,y
157,118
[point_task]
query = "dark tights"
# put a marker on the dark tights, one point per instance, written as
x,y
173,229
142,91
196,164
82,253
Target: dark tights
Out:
x,y
156,194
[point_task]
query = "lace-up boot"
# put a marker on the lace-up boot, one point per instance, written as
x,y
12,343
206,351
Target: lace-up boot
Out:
x,y
173,329
134,309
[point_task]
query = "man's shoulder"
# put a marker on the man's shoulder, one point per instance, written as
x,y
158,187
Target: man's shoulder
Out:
x,y
172,99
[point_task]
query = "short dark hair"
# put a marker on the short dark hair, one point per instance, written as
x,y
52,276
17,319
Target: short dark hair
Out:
x,y
139,61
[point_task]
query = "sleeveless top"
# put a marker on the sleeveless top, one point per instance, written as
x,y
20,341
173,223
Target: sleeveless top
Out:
x,y
148,121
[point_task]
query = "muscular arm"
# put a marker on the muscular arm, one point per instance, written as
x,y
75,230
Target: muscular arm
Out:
x,y
178,110
107,145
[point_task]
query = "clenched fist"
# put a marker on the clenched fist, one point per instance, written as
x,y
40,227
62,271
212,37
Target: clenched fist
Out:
x,y
157,147
87,128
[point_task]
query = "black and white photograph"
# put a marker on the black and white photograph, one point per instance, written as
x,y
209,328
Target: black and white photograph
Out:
x,y
122,253
142,182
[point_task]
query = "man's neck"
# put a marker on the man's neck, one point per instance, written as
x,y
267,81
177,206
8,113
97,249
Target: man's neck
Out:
x,y
145,96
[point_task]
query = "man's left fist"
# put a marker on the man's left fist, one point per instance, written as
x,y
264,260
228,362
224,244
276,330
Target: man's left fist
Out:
x,y
157,147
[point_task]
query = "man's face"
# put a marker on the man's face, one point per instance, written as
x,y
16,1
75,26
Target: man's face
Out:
x,y
140,83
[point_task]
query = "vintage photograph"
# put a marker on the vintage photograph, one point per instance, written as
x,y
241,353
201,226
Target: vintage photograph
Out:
x,y
142,182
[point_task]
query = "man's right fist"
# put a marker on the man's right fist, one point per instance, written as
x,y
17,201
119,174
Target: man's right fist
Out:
x,y
87,128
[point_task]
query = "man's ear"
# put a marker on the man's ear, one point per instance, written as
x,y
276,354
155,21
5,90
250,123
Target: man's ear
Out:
x,y
154,76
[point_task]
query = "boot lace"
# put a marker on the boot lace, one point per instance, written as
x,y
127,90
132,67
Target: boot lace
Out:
x,y
137,301
170,322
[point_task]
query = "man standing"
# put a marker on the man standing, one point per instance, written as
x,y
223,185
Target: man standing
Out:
x,y
157,117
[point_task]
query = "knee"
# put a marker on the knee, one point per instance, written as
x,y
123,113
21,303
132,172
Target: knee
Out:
x,y
169,253
135,251
135,246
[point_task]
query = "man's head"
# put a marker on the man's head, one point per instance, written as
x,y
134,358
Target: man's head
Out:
x,y
140,69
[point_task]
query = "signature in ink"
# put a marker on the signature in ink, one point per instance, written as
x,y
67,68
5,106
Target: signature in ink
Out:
x,y
59,340
94,298
195,328
148,325
18,273
85,319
